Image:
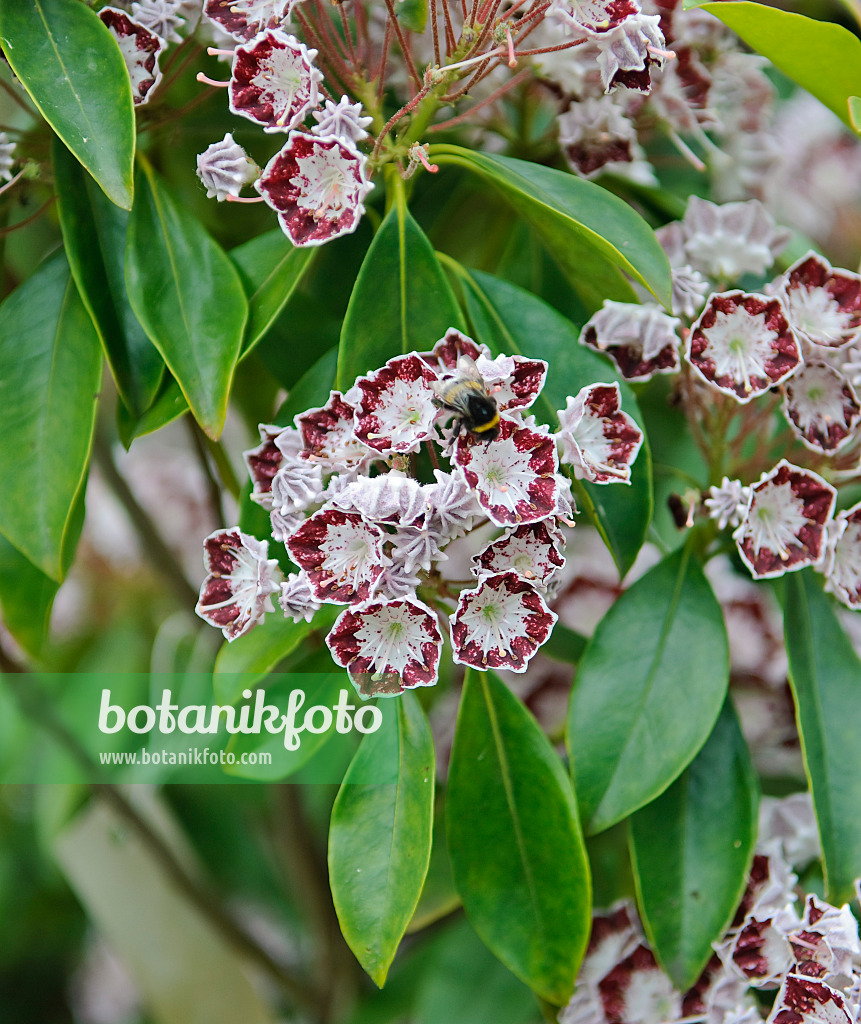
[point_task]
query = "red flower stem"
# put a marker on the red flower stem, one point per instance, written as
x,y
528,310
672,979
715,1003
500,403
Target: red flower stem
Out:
x,y
340,76
550,49
393,120
450,40
510,84
437,54
381,70
407,52
348,36
323,23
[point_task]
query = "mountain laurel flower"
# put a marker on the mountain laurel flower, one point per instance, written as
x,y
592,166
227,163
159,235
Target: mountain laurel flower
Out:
x,y
784,526
823,305
842,565
594,135
397,411
297,598
140,48
317,186
742,344
387,646
533,551
341,553
328,435
343,119
628,51
641,339
514,476
596,437
804,1000
244,19
728,503
514,381
7,157
237,592
161,17
225,169
594,15
822,407
274,81
500,624
728,240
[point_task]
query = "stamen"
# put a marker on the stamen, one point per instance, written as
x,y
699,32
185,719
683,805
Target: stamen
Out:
x,y
201,77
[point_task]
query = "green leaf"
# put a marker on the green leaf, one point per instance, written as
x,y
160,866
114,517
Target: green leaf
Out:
x,y
439,896
855,113
189,298
26,598
94,233
412,14
380,838
517,852
271,268
50,372
823,58
401,300
169,405
587,229
648,690
249,658
71,66
691,851
825,673
510,320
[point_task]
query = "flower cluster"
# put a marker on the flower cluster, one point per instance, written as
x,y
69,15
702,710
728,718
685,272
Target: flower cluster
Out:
x,y
800,336
414,550
812,958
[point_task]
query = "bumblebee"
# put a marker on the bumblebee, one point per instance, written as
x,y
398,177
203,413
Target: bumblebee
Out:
x,y
467,397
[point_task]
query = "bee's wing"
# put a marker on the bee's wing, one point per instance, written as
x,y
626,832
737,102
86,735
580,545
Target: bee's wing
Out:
x,y
466,368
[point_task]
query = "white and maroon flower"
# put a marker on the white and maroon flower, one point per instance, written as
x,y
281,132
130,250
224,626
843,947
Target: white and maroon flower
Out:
x,y
637,990
597,438
843,560
317,185
514,381
297,485
514,476
329,437
236,594
742,344
225,169
726,241
297,599
501,624
391,497
803,1000
822,407
823,305
342,554
728,502
784,527
827,938
759,951
263,463
451,347
594,15
344,119
274,82
533,551
641,339
161,17
397,412
244,19
140,49
387,646
594,135
628,51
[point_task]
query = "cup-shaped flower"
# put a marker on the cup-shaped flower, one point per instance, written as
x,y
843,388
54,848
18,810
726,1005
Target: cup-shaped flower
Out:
x,y
594,15
341,552
823,305
500,624
328,435
224,169
742,344
387,646
822,407
641,339
533,551
140,48
843,559
597,438
450,348
636,989
244,19
397,411
827,938
263,463
273,81
784,526
514,381
514,476
317,185
803,1000
724,241
237,592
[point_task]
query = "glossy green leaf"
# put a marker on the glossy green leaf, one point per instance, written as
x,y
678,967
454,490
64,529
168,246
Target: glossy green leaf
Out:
x,y
412,14
50,372
250,657
189,298
380,838
439,896
855,113
71,66
271,268
401,301
169,405
517,852
691,850
823,58
584,226
648,690
26,598
825,673
511,320
94,233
